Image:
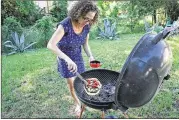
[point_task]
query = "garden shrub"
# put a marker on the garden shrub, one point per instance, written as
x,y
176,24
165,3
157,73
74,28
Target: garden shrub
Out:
x,y
93,32
139,28
27,12
59,10
10,25
158,28
13,25
176,28
45,27
32,35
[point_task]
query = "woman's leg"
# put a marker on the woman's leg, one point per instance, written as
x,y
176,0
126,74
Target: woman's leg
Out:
x,y
72,91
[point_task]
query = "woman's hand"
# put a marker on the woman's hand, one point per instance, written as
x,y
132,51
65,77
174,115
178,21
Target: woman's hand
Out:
x,y
91,58
72,67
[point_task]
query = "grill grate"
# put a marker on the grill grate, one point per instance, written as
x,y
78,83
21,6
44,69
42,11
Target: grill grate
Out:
x,y
108,80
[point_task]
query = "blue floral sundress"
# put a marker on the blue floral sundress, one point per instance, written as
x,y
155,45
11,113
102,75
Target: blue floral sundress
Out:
x,y
70,44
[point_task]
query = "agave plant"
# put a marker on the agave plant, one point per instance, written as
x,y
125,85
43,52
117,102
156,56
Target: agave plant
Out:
x,y
17,45
109,30
156,28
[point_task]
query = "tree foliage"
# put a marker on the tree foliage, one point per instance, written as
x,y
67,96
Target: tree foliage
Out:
x,y
45,26
10,25
27,12
140,8
59,10
172,8
137,9
108,8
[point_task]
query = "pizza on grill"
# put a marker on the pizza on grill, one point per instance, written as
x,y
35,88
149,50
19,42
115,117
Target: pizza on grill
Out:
x,y
93,87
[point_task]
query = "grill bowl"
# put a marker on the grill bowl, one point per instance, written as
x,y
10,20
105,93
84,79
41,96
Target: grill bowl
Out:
x,y
101,100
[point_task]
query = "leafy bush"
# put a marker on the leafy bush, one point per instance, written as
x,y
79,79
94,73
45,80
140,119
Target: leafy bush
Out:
x,y
10,25
158,28
148,28
32,35
108,30
13,25
176,28
93,32
6,10
139,28
155,28
18,45
59,11
108,8
27,12
45,28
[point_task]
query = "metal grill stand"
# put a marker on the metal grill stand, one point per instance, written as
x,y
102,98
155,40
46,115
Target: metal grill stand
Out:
x,y
102,112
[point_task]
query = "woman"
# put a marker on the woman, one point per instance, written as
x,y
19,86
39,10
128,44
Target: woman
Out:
x,y
66,42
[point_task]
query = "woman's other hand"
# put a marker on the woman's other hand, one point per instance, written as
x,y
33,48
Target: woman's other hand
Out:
x,y
91,58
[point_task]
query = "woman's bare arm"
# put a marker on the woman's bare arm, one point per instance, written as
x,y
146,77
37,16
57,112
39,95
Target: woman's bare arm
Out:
x,y
87,49
52,45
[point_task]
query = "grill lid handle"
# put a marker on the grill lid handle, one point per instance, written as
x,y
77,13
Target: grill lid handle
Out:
x,y
162,35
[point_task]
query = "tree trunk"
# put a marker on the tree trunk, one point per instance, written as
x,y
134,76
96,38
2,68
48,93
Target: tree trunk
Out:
x,y
131,25
47,7
154,16
131,17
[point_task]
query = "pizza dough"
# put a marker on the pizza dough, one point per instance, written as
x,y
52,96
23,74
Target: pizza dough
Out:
x,y
93,87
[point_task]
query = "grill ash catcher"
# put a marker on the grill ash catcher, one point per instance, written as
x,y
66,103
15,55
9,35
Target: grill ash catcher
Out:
x,y
137,83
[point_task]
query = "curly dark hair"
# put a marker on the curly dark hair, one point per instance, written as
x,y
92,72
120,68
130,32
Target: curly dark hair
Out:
x,y
81,8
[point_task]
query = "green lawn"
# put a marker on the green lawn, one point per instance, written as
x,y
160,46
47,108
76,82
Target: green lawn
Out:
x,y
32,88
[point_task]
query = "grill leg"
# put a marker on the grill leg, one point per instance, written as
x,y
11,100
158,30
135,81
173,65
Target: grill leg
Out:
x,y
125,115
103,114
82,109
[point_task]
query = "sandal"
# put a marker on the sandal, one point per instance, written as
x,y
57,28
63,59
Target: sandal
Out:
x,y
78,111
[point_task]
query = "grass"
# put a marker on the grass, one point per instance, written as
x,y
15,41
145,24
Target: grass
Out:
x,y
32,88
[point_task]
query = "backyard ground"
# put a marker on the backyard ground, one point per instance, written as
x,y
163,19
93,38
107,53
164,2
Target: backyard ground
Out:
x,y
32,88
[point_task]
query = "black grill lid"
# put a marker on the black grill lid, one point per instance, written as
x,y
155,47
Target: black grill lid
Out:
x,y
144,70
